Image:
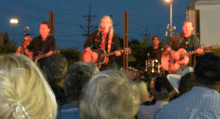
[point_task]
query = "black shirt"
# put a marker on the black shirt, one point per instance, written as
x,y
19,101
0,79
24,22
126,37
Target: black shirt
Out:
x,y
184,44
37,44
154,53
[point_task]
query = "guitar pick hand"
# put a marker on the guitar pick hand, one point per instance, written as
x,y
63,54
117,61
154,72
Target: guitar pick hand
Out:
x,y
117,53
175,55
94,56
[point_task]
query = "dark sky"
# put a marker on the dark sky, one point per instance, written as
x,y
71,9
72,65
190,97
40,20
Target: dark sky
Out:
x,y
151,14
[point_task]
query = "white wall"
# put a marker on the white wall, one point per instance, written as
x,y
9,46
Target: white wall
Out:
x,y
209,22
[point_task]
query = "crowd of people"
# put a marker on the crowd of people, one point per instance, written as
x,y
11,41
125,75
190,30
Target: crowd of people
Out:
x,y
52,90
82,91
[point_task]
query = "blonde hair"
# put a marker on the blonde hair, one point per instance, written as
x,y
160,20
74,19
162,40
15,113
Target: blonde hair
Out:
x,y
110,31
24,92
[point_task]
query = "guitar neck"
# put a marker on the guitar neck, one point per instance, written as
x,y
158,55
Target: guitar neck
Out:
x,y
40,56
44,55
195,51
110,53
191,53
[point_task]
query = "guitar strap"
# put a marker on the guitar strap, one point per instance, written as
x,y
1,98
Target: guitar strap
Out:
x,y
99,58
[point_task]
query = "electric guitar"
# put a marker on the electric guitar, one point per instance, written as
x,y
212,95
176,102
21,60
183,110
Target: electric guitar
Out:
x,y
103,55
36,58
183,60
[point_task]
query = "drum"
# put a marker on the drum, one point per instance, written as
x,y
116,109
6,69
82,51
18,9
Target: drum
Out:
x,y
134,73
152,66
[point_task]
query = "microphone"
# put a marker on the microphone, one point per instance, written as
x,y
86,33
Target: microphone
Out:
x,y
167,30
102,27
27,28
174,28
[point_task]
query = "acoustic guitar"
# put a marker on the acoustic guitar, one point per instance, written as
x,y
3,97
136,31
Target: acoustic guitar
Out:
x,y
103,55
183,60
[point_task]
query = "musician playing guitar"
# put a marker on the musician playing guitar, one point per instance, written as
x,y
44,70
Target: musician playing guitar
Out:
x,y
43,44
104,38
187,41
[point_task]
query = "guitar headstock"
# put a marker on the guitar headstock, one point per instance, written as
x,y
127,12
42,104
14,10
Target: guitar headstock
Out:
x,y
207,48
127,51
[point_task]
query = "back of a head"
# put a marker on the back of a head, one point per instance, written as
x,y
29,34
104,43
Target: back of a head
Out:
x,y
78,75
24,92
55,67
109,95
207,69
142,86
186,83
163,88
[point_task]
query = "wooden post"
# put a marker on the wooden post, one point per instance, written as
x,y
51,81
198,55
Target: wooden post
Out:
x,y
125,56
52,23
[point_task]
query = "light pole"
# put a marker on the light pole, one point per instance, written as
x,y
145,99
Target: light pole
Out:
x,y
14,21
171,15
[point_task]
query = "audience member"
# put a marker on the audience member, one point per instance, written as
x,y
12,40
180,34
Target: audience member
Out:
x,y
142,84
109,95
24,92
183,81
163,93
78,75
203,100
186,83
55,67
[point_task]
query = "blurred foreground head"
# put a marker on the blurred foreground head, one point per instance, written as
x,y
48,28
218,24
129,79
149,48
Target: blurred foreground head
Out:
x,y
78,75
207,69
55,67
24,92
109,95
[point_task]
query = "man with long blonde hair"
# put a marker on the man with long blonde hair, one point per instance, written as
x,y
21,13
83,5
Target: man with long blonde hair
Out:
x,y
105,39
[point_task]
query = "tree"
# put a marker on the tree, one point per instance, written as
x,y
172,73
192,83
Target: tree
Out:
x,y
72,55
8,46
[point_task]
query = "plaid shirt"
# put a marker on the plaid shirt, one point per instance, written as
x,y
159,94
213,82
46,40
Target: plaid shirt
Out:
x,y
199,103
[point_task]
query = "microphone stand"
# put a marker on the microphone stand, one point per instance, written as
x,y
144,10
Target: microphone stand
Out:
x,y
171,58
171,61
24,34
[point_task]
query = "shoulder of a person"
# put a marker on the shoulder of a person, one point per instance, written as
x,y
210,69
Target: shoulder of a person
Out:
x,y
194,36
95,32
179,35
150,48
51,37
157,113
36,38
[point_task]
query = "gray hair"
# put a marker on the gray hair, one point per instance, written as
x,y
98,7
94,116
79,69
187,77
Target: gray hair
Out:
x,y
78,75
55,67
24,92
109,95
